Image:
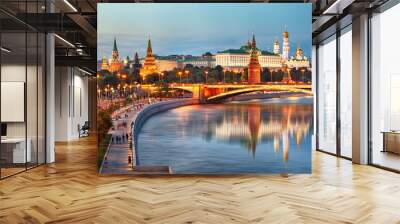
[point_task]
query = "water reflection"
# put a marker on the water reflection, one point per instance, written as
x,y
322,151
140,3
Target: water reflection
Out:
x,y
255,136
251,124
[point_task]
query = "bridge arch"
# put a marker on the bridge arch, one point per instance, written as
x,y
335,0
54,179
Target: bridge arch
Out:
x,y
236,92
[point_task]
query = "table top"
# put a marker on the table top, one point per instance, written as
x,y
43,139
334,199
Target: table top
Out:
x,y
13,140
391,132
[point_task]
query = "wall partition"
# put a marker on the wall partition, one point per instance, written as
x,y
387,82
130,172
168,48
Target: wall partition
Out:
x,y
22,87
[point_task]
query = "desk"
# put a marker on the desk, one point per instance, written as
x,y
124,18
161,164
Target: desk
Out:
x,y
391,141
13,150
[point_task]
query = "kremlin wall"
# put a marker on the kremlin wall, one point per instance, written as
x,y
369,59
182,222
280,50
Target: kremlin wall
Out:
x,y
237,60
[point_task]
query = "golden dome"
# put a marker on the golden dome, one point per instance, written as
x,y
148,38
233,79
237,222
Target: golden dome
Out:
x,y
285,34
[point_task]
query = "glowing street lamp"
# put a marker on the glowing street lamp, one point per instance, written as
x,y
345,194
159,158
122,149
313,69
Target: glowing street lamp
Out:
x,y
224,76
302,74
187,75
180,77
160,76
206,73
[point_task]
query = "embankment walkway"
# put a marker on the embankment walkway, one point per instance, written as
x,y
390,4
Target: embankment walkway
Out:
x,y
121,155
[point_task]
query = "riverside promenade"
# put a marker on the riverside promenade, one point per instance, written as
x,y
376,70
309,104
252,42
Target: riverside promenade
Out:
x,y
120,157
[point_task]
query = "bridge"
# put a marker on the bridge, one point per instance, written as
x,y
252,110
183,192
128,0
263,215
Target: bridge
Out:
x,y
220,92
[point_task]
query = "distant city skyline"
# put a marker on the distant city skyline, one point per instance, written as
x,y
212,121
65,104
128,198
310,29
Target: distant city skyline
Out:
x,y
193,29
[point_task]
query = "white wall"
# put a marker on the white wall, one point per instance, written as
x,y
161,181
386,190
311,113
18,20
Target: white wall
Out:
x,y
71,102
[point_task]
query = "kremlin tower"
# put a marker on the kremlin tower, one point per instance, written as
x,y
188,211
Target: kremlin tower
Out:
x,y
136,66
254,67
136,63
276,47
285,47
115,64
149,65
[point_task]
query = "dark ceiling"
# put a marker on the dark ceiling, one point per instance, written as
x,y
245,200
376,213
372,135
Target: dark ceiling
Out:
x,y
76,20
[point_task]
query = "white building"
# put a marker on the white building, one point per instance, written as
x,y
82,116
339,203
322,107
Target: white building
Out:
x,y
238,59
203,61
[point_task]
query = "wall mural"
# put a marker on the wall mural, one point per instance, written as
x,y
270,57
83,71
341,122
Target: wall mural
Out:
x,y
204,88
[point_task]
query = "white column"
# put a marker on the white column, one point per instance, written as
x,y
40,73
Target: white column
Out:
x,y
360,90
50,98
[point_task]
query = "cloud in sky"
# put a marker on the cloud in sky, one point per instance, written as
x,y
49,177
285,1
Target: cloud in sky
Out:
x,y
179,28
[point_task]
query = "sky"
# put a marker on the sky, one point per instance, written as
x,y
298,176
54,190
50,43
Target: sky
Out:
x,y
188,28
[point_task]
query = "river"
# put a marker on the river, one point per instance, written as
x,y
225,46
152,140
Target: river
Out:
x,y
258,136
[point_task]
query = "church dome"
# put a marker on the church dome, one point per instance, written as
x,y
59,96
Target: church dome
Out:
x,y
285,34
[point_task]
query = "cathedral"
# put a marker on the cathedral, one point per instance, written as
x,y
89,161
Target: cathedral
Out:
x,y
149,64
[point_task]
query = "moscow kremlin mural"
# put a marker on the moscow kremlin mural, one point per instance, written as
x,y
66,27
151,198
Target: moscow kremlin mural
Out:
x,y
204,88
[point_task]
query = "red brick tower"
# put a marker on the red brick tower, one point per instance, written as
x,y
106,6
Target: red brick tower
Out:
x,y
254,67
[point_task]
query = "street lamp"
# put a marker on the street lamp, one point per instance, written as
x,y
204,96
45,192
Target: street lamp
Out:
x,y
187,75
180,77
206,73
302,74
224,76
160,76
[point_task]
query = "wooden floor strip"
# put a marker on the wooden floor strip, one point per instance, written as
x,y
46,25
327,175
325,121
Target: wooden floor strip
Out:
x,y
71,191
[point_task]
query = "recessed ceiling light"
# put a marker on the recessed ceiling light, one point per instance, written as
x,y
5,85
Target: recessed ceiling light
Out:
x,y
64,40
70,5
84,71
5,50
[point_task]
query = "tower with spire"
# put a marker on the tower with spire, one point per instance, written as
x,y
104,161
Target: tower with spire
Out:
x,y
285,43
115,54
254,67
115,63
149,65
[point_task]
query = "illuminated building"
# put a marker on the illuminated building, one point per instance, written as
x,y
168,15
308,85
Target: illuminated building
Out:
x,y
299,61
163,63
149,65
276,47
104,64
237,59
285,46
205,61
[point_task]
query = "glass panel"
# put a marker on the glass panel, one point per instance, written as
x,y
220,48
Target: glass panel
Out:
x,y
41,99
346,93
13,87
31,98
327,96
385,83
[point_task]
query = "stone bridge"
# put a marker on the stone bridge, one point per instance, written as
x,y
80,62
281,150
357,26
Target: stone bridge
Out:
x,y
220,92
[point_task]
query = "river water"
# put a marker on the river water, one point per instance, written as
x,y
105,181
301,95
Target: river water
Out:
x,y
258,136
